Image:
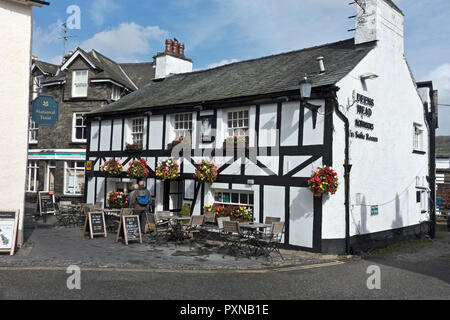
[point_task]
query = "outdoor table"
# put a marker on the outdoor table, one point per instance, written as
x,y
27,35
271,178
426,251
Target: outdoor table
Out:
x,y
252,231
177,228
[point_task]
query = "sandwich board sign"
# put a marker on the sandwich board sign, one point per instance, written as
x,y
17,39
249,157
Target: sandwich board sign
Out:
x,y
95,225
8,230
129,229
46,203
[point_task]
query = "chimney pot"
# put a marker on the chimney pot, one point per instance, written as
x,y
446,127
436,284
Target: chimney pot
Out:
x,y
321,64
169,44
175,47
181,50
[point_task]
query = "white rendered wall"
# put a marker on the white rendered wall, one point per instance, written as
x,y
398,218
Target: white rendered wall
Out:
x,y
383,172
167,64
15,53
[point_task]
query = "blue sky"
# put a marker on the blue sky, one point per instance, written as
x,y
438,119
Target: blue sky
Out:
x,y
216,32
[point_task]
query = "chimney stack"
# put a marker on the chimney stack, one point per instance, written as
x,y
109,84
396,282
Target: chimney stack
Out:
x,y
172,60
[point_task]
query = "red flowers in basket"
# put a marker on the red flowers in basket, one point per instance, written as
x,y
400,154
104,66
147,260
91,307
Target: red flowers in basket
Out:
x,y
323,181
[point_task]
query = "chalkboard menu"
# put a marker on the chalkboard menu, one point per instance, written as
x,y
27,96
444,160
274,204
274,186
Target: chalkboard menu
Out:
x,y
8,230
46,203
129,229
95,225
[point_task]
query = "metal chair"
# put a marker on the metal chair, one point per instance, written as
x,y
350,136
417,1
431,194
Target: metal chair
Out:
x,y
126,212
98,205
194,226
220,223
233,237
269,220
271,240
160,229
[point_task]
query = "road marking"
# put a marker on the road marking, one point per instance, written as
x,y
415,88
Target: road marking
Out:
x,y
115,269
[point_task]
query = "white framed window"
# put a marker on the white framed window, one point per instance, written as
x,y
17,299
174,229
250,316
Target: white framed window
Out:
x,y
183,125
234,198
73,177
418,137
79,127
51,174
79,83
115,93
33,130
137,131
238,123
37,86
32,176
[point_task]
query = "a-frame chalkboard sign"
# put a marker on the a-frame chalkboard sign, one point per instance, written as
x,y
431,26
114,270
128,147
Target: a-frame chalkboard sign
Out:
x,y
129,229
8,230
46,203
95,225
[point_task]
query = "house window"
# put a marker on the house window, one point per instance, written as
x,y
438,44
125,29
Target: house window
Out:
x,y
32,176
74,178
115,95
51,173
78,128
238,123
33,132
137,131
79,83
418,137
37,87
234,198
183,125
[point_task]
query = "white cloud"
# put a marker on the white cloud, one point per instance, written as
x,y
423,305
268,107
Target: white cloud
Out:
x,y
101,8
127,42
221,63
441,82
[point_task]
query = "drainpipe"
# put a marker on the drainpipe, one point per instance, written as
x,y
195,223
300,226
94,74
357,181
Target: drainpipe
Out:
x,y
347,170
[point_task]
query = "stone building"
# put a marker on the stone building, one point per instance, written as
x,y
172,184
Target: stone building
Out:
x,y
83,82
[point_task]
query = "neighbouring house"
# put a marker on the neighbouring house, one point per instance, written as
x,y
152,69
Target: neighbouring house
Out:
x,y
364,118
83,82
16,23
443,183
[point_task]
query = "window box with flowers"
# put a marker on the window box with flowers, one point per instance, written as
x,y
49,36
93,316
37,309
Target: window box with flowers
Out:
x,y
117,199
167,170
236,213
236,142
323,181
206,171
133,146
138,169
112,167
183,141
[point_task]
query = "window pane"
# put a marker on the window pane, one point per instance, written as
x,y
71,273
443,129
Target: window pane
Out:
x,y
244,198
235,197
251,199
226,197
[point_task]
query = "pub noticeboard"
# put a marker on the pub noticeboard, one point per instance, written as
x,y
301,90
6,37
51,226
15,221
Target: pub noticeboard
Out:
x,y
8,230
46,203
95,225
129,229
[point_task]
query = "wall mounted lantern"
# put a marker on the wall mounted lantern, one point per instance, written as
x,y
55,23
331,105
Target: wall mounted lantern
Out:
x,y
305,94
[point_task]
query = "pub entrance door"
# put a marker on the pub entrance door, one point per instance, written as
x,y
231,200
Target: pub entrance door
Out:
x,y
173,196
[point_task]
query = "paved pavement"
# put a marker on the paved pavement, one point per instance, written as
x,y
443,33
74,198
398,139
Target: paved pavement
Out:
x,y
114,271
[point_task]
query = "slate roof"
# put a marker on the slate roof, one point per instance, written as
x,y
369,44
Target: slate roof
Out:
x,y
272,74
125,74
46,67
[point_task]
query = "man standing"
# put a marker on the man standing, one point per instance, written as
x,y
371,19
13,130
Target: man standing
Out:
x,y
141,203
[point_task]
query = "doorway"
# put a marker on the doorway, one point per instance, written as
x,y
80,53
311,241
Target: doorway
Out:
x,y
173,196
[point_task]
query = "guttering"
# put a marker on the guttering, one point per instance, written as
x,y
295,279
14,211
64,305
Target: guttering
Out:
x,y
347,170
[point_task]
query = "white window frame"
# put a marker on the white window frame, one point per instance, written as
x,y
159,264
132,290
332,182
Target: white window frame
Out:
x,y
115,93
32,167
238,129
234,204
33,131
131,133
66,176
418,141
75,126
37,81
47,178
183,127
85,81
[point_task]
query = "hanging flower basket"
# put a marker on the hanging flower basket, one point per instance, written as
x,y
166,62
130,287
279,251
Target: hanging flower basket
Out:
x,y
206,171
167,170
138,169
112,167
117,199
183,141
323,181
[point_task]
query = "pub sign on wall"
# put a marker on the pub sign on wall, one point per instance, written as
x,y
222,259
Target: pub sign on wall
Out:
x,y
45,111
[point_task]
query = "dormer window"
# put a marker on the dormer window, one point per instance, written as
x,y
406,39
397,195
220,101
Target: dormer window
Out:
x,y
115,95
79,83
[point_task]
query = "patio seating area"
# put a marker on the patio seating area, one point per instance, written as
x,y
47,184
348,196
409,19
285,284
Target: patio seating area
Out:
x,y
234,238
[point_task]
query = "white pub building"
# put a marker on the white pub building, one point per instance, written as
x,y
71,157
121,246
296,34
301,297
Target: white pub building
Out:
x,y
363,117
